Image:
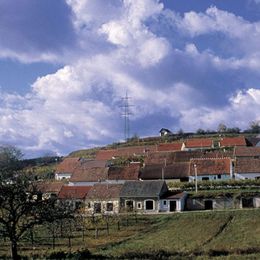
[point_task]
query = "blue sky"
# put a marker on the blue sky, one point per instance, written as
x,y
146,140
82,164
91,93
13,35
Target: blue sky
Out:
x,y
65,66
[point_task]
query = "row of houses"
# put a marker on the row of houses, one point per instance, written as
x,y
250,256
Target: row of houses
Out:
x,y
192,144
242,163
141,197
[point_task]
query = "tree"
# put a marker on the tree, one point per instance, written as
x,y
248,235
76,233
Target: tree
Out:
x,y
10,158
254,127
21,208
200,131
222,128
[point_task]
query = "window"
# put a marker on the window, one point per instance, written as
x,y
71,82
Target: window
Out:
x,y
219,176
149,205
78,204
97,207
164,202
205,178
109,206
139,205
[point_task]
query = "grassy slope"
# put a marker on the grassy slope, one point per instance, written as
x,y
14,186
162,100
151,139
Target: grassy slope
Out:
x,y
196,233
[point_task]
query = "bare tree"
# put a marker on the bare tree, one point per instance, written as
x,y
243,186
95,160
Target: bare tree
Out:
x,y
21,208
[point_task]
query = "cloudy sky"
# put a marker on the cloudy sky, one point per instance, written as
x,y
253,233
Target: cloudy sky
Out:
x,y
65,66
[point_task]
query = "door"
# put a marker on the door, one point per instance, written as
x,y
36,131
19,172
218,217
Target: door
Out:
x,y
173,205
247,202
208,204
129,205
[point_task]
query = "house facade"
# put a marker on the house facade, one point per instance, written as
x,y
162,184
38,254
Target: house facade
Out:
x,y
211,203
210,169
247,168
173,202
66,168
74,196
142,196
169,173
103,199
225,201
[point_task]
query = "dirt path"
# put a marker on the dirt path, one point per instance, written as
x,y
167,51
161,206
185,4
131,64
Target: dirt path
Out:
x,y
220,231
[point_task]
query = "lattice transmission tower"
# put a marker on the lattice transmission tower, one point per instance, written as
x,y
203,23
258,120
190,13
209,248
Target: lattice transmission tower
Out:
x,y
126,115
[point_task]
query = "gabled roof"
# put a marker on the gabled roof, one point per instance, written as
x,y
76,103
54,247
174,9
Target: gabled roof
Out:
x,y
86,174
173,171
252,141
49,187
105,191
185,156
129,172
142,189
210,166
165,130
160,157
136,150
74,192
233,141
93,163
247,165
105,155
68,165
124,152
174,195
176,146
241,151
198,143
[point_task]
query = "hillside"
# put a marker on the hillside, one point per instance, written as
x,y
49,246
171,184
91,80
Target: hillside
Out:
x,y
192,235
136,141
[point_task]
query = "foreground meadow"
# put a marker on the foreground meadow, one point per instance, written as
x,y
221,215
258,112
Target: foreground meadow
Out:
x,y
189,235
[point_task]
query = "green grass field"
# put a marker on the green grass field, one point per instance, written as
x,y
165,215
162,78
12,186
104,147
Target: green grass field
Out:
x,y
189,235
196,235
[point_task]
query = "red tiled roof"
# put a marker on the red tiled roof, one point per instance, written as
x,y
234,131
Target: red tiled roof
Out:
x,y
169,147
129,172
173,171
124,152
49,187
160,157
185,156
105,191
210,166
74,192
106,154
241,151
68,165
135,150
233,141
198,143
86,174
247,165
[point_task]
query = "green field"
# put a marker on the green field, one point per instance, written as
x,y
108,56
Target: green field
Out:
x,y
189,235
